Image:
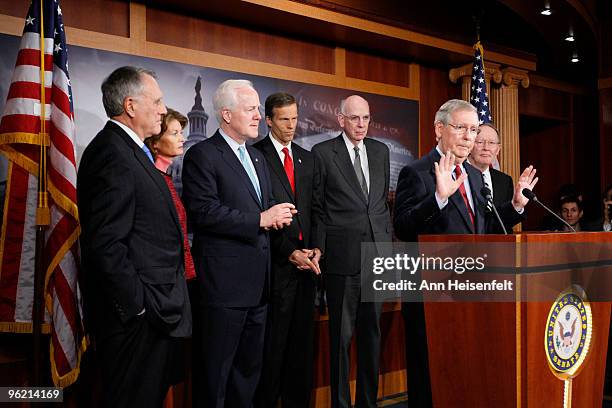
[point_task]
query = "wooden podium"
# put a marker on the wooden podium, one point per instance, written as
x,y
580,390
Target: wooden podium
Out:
x,y
491,354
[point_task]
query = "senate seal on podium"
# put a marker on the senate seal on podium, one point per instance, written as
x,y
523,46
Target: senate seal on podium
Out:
x,y
567,337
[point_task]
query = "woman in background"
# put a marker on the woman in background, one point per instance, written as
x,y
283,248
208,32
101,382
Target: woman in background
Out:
x,y
164,147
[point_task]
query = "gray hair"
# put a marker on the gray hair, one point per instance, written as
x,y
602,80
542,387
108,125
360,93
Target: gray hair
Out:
x,y
343,106
451,106
225,95
122,83
492,126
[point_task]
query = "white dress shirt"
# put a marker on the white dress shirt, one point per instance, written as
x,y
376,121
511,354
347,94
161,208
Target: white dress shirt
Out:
x,y
279,148
363,156
234,146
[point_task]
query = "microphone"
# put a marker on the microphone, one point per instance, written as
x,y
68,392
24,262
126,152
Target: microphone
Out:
x,y
486,192
531,196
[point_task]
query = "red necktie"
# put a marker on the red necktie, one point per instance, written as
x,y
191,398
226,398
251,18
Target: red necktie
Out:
x,y
464,194
288,164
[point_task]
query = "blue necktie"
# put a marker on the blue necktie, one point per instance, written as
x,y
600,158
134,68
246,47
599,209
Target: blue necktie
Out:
x,y
148,153
249,170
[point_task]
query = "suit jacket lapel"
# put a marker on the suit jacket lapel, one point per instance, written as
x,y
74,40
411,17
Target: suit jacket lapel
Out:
x,y
476,184
455,198
232,160
375,165
277,166
343,161
458,202
153,172
261,175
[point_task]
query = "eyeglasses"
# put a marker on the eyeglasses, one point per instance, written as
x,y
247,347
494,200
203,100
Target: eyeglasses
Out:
x,y
355,119
463,129
485,143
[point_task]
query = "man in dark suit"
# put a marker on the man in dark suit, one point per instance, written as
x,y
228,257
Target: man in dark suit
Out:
x,y
441,194
485,151
132,248
227,192
350,207
289,341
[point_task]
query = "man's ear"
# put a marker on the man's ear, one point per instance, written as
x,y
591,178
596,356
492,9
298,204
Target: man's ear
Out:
x,y
226,115
438,130
129,106
340,118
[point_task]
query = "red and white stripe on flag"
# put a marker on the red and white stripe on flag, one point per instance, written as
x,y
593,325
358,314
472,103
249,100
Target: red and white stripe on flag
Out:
x,y
20,140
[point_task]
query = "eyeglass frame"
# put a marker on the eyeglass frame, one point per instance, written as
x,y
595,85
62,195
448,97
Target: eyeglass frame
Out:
x,y
354,119
462,129
485,143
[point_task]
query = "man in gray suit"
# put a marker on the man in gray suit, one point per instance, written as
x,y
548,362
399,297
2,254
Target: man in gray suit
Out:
x,y
349,206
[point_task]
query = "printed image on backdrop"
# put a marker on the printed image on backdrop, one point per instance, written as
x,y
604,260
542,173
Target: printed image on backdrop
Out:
x,y
188,89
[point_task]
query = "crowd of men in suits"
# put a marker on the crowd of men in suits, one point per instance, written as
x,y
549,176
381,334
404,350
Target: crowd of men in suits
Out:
x,y
269,220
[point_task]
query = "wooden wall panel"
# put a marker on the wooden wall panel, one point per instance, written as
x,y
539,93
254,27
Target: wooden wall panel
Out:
x,y
96,16
102,16
605,36
14,8
545,103
378,69
436,89
605,131
586,164
546,144
190,32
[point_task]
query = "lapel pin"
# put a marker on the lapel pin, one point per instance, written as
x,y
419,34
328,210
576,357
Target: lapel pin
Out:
x,y
257,160
299,160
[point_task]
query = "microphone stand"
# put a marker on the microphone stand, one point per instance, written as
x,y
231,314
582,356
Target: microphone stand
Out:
x,y
487,194
531,196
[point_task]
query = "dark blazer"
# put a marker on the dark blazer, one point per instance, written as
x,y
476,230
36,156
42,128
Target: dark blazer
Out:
x,y
131,240
503,191
230,251
417,212
286,240
342,216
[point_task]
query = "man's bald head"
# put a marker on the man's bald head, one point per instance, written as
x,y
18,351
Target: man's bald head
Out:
x,y
354,118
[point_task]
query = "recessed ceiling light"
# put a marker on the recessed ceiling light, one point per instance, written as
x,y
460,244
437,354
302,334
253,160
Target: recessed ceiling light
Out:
x,y
546,12
570,38
575,59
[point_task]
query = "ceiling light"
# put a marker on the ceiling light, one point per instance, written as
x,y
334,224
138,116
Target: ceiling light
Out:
x,y
546,12
575,59
570,38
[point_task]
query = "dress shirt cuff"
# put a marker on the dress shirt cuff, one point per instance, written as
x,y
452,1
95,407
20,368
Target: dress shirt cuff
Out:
x,y
607,227
520,210
441,204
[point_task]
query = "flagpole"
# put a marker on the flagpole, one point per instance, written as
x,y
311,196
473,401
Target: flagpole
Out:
x,y
42,220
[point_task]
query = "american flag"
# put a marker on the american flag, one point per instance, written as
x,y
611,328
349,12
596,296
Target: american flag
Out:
x,y
478,91
20,140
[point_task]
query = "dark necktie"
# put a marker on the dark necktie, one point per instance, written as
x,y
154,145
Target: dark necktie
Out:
x,y
359,172
488,190
464,194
